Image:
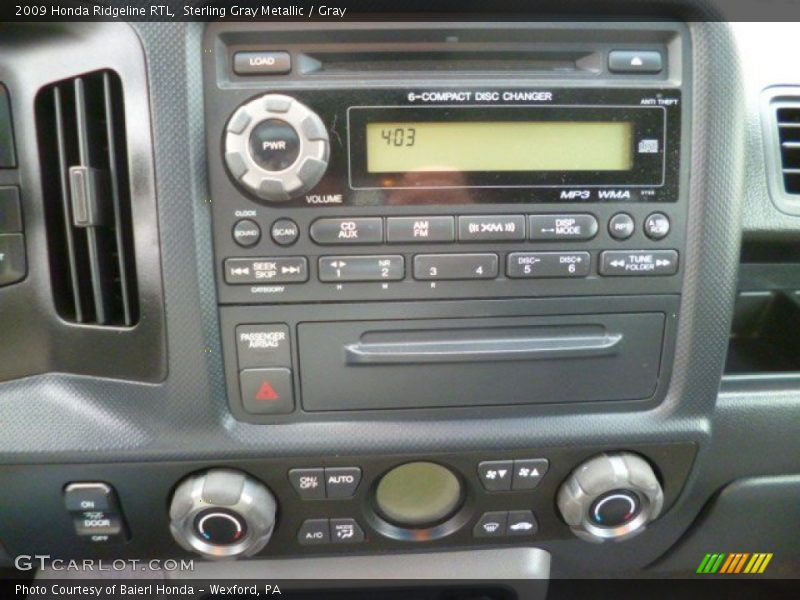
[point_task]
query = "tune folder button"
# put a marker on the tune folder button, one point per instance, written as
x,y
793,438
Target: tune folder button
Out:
x,y
638,263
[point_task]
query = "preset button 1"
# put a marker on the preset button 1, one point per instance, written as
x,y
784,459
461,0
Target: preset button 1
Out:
x,y
361,268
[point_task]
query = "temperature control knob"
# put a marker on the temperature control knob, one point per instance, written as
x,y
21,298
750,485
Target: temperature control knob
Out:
x,y
222,513
276,147
610,497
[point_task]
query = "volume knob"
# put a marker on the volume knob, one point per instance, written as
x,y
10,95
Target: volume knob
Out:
x,y
222,513
276,147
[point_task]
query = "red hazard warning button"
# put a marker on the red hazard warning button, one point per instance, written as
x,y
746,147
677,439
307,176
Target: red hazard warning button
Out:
x,y
267,391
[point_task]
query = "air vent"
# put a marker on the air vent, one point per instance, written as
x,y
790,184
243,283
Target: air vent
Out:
x,y
81,131
788,118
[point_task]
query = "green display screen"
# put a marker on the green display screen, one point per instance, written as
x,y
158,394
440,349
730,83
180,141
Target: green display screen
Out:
x,y
486,146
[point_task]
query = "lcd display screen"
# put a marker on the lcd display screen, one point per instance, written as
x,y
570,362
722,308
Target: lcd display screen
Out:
x,y
493,146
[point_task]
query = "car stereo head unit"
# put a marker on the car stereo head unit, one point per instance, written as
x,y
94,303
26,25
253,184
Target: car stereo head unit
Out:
x,y
412,146
495,210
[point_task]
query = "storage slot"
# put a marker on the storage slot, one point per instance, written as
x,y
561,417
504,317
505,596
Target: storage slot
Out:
x,y
366,365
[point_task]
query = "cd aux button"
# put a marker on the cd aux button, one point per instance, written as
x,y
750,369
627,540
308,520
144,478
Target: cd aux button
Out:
x,y
562,227
363,230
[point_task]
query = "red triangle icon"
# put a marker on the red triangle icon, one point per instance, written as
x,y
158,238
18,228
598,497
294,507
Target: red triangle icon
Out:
x,y
267,392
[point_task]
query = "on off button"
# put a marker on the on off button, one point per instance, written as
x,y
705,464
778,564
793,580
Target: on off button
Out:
x,y
274,145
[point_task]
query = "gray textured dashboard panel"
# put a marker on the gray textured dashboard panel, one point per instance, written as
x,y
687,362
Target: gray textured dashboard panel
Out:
x,y
187,416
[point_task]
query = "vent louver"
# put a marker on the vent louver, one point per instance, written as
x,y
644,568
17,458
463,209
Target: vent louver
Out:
x,y
81,131
788,119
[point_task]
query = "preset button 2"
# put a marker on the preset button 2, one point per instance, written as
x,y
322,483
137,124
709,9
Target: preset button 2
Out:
x,y
455,266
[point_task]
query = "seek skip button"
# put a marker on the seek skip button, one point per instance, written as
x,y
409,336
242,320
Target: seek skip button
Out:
x,y
264,345
342,482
